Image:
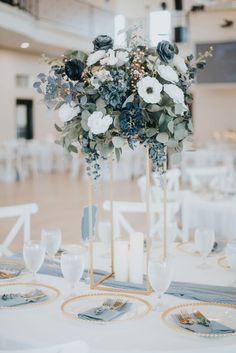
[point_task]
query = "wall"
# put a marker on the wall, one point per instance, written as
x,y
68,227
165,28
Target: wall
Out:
x,y
12,63
214,104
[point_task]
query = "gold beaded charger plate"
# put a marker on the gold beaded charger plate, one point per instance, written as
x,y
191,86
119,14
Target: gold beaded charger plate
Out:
x,y
224,314
82,303
222,262
21,295
189,248
11,270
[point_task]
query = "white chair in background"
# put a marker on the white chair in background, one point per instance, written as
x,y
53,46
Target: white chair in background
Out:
x,y
23,214
200,178
121,209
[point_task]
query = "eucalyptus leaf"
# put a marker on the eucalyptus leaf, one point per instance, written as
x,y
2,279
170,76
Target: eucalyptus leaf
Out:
x,y
170,112
162,137
175,158
116,122
151,132
83,100
172,143
190,125
154,108
117,141
100,103
162,119
170,126
72,148
58,128
180,134
130,99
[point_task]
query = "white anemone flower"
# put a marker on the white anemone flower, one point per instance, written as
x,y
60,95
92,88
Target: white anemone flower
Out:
x,y
122,57
110,59
176,94
95,57
179,63
167,73
149,88
68,111
99,124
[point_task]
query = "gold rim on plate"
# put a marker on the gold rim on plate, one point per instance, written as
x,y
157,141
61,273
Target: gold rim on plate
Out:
x,y
174,326
33,284
222,262
129,297
17,264
182,247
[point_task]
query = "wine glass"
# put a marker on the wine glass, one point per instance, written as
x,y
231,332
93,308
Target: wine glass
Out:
x,y
204,242
230,252
72,266
51,238
34,254
160,275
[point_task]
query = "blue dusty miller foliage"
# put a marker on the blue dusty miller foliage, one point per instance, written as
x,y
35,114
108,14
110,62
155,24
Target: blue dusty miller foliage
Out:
x,y
117,96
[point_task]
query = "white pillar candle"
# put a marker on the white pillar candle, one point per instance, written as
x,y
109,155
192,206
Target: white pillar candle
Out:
x,y
121,262
136,258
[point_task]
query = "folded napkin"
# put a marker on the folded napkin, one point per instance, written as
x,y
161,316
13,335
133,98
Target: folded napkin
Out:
x,y
203,292
11,300
214,327
106,315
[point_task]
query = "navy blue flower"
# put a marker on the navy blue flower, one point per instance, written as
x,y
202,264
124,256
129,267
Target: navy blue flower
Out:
x,y
103,42
74,69
131,119
166,51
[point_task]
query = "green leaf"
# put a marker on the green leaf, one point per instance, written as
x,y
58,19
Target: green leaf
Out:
x,y
175,158
162,119
170,112
154,108
130,99
84,119
180,134
117,141
83,100
151,132
100,103
162,137
116,122
72,148
179,109
118,152
58,128
170,126
172,143
190,125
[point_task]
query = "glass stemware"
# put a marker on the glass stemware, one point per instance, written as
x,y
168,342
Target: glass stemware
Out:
x,y
160,275
204,242
34,254
72,266
51,239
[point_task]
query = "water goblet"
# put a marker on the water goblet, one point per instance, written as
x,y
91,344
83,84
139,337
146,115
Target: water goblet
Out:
x,y
72,266
160,275
204,242
51,238
34,254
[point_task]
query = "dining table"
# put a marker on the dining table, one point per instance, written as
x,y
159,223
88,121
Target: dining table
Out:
x,y
45,324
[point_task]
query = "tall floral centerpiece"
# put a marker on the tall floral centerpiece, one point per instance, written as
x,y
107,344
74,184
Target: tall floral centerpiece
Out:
x,y
114,97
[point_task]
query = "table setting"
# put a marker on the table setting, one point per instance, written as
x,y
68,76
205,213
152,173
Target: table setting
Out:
x,y
186,306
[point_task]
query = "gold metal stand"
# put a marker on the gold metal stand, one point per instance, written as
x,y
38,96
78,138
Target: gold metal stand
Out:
x,y
99,285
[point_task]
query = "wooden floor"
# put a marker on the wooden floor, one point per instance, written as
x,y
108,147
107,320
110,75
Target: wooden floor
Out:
x,y
60,202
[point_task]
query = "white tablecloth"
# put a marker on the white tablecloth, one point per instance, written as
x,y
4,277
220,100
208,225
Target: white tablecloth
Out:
x,y
47,325
218,214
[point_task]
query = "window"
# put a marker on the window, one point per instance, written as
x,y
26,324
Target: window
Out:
x,y
160,26
119,25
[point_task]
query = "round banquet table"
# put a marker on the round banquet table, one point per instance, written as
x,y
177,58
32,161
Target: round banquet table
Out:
x,y
47,325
